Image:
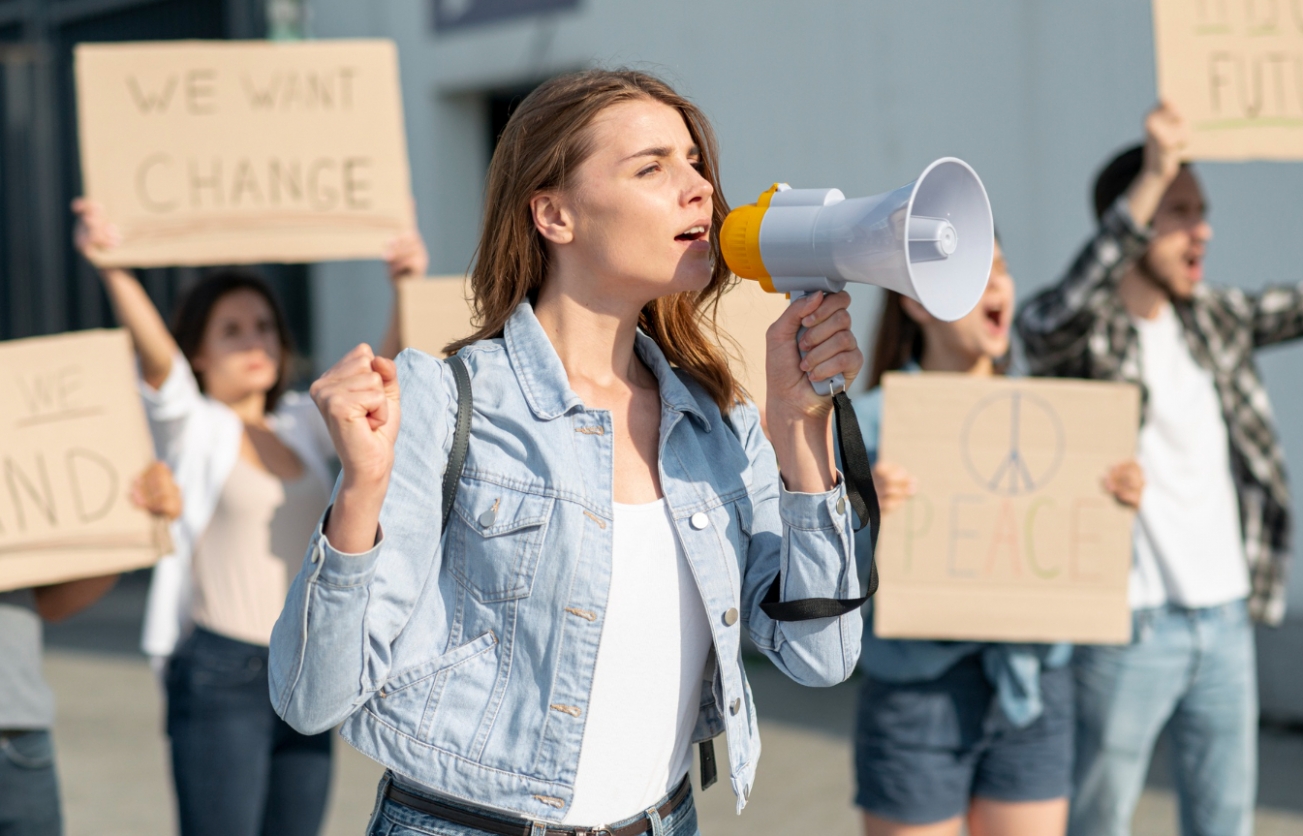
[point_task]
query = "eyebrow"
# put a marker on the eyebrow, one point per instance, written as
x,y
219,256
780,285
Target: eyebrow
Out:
x,y
661,151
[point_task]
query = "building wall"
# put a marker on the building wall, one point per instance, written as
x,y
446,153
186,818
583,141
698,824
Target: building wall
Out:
x,y
857,94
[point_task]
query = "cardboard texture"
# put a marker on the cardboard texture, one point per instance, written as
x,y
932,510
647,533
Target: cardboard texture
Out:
x,y
745,314
1234,68
235,152
433,312
1010,536
74,437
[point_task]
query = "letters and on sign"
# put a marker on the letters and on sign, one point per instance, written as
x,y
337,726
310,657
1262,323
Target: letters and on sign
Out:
x,y
241,152
73,438
1011,535
1234,68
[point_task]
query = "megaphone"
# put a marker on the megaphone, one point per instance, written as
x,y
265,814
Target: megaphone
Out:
x,y
931,240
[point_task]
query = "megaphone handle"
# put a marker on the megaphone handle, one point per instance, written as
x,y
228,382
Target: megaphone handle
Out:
x,y
834,384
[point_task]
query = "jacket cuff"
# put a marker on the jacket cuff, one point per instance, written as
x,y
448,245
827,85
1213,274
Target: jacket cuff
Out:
x,y
341,569
829,510
1118,220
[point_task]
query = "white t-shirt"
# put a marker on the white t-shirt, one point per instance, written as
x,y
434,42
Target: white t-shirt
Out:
x,y
1188,546
647,684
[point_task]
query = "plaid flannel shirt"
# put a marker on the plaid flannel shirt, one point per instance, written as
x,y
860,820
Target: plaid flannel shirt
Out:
x,y
1080,328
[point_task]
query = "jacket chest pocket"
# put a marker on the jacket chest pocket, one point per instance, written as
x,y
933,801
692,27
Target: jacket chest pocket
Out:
x,y
496,537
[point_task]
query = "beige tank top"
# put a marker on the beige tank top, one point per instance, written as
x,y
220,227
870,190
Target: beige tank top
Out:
x,y
253,548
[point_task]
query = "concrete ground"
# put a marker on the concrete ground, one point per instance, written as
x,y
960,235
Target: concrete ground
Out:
x,y
112,756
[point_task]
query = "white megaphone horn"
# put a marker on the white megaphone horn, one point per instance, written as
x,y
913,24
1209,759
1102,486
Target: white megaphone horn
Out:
x,y
931,240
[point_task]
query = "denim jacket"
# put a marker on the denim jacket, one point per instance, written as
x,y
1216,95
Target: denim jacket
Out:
x,y
463,660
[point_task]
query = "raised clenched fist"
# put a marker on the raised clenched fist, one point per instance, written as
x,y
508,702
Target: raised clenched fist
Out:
x,y
358,397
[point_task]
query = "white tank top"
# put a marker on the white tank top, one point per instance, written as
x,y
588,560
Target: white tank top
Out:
x,y
647,684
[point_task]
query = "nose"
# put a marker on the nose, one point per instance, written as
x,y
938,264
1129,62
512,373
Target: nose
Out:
x,y
698,188
1203,231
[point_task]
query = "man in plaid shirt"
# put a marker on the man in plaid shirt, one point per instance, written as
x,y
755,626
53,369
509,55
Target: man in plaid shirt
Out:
x,y
1212,538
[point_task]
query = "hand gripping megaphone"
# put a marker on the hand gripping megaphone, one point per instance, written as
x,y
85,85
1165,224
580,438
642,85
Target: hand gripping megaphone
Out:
x,y
931,240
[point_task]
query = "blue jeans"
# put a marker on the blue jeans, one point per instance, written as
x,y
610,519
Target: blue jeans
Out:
x,y
239,769
29,787
393,819
1194,671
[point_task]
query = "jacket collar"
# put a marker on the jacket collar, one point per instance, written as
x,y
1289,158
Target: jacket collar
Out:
x,y
547,388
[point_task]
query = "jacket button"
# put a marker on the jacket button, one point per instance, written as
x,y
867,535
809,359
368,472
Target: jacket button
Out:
x,y
488,517
735,706
730,616
841,505
699,521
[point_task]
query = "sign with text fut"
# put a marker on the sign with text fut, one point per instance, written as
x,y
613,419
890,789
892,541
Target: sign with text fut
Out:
x,y
1010,535
1234,68
230,152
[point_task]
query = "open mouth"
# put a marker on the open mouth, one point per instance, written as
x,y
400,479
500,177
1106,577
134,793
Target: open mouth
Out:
x,y
995,318
693,233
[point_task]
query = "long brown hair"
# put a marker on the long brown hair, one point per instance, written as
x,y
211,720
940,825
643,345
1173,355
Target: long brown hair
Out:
x,y
899,339
544,141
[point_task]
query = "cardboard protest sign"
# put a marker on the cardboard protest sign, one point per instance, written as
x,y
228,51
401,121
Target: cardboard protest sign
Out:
x,y
73,438
239,152
745,314
1234,68
434,312
1010,536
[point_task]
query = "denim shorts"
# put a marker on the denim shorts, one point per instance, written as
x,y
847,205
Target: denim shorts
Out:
x,y
393,819
923,749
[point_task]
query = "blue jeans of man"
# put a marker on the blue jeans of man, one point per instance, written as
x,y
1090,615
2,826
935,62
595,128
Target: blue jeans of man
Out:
x,y
1194,671
239,770
29,786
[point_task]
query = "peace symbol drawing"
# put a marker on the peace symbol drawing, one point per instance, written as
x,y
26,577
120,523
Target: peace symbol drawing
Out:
x,y
1012,443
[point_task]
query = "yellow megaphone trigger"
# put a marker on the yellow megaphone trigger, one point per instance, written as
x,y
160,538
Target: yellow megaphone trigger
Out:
x,y
739,240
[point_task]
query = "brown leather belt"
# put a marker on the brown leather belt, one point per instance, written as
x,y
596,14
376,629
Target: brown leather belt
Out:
x,y
491,824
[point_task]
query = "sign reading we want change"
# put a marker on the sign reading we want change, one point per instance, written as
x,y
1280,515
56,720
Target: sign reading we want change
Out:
x,y
72,438
1234,68
1011,535
241,152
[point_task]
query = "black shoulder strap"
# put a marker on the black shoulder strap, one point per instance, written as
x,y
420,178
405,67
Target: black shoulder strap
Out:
x,y
864,502
461,439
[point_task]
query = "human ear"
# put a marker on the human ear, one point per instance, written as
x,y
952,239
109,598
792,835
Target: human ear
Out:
x,y
552,218
915,311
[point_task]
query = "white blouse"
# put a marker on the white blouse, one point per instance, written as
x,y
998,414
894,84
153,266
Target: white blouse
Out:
x,y
199,438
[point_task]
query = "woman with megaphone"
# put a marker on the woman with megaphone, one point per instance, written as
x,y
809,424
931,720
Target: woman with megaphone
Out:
x,y
950,734
615,518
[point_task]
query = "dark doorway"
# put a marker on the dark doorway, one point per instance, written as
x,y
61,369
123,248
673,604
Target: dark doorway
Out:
x,y
502,103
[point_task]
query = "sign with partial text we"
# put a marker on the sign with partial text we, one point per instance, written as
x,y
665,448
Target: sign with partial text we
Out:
x,y
73,437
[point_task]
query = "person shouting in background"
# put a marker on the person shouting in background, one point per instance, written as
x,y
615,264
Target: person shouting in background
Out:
x,y
29,784
543,663
1212,538
254,462
950,734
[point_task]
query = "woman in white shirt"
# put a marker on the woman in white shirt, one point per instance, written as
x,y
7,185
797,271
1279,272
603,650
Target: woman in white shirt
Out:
x,y
253,463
